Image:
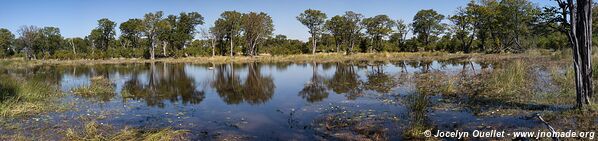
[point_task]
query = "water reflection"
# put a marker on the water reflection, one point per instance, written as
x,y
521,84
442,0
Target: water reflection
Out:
x,y
165,82
315,89
378,80
346,81
256,89
158,84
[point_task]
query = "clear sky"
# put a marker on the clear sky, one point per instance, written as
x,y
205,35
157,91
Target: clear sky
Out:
x,y
76,18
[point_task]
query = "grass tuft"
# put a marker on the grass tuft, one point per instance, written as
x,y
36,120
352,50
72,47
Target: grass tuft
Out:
x,y
100,89
99,132
21,97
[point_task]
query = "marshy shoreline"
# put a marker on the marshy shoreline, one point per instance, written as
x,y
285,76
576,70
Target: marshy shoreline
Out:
x,y
407,93
299,58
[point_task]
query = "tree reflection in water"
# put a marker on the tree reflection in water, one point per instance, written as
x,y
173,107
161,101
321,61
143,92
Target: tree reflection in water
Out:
x,y
315,89
256,89
168,82
345,81
378,80
227,84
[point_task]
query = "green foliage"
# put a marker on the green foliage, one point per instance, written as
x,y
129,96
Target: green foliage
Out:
x,y
479,26
196,49
6,42
280,45
25,96
131,31
101,89
314,20
426,24
228,26
378,27
105,33
256,27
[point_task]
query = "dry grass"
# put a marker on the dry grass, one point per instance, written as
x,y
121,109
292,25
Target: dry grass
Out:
x,y
320,57
98,132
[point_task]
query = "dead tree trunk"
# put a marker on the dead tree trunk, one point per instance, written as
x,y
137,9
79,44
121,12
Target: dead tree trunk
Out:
x,y
578,27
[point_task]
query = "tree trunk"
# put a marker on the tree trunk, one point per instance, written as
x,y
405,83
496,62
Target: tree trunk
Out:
x,y
73,45
231,47
213,47
164,44
583,52
313,44
580,39
350,50
153,52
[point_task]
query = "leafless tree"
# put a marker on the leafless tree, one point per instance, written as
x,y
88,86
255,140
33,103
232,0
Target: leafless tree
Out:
x,y
28,36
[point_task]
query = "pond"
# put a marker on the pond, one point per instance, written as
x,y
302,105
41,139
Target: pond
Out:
x,y
275,101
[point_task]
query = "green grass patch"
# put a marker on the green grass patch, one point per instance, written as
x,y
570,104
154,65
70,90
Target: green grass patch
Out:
x,y
100,89
20,96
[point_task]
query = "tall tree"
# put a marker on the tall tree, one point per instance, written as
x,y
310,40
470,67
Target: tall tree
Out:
x,y
184,28
50,40
167,34
353,28
131,31
576,19
94,39
207,34
400,35
337,27
426,24
150,22
28,37
314,20
464,28
378,27
6,41
106,28
256,27
230,23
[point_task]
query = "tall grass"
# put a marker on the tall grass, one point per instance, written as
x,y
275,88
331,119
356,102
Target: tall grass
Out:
x,y
19,96
510,81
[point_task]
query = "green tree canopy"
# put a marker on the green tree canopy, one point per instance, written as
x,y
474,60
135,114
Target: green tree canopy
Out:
x,y
256,27
6,41
314,20
426,24
378,27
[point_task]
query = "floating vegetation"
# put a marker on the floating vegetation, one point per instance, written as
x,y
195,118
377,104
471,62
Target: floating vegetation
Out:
x,y
100,89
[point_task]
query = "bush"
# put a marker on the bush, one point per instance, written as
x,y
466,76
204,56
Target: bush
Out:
x,y
193,51
64,54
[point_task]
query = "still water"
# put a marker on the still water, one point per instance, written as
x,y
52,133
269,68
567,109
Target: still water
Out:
x,y
258,101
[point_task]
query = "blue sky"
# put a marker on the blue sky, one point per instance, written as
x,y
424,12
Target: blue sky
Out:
x,y
76,18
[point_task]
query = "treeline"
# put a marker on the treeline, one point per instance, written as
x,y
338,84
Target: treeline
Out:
x,y
487,26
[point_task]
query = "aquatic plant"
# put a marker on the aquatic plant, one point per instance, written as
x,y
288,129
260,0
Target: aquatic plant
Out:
x,y
100,132
22,96
100,89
